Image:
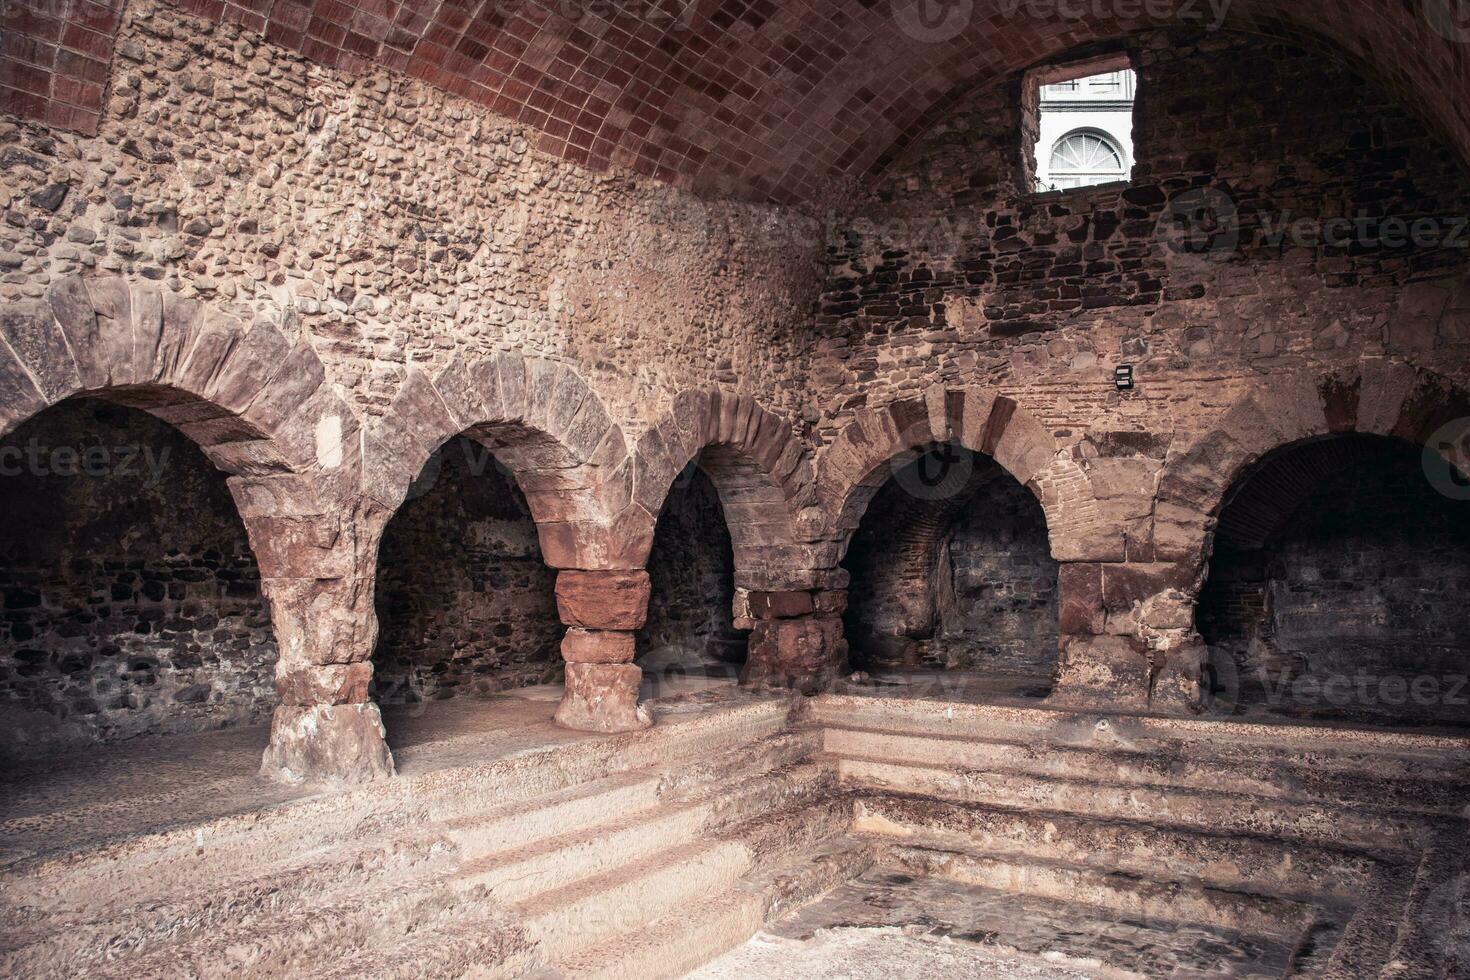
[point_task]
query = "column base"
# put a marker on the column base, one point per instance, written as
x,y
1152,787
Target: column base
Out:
x,y
1104,673
805,654
603,698
335,743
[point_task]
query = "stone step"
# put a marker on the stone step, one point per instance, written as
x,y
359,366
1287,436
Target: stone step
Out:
x,y
566,920
698,745
1368,937
1028,930
1139,898
518,768
1273,777
1319,748
688,937
581,914
1292,869
1235,813
1425,942
587,805
576,808
547,863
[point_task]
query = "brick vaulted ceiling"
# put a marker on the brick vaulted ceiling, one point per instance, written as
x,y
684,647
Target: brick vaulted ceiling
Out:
x,y
755,98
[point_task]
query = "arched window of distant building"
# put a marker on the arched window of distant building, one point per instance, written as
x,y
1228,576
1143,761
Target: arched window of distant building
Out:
x,y
1084,157
1081,119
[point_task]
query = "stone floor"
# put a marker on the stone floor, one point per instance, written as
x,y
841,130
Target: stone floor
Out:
x,y
153,783
886,924
882,954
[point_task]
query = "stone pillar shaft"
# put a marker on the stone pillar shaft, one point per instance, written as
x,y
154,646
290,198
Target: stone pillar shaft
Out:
x,y
1127,636
317,574
601,610
796,638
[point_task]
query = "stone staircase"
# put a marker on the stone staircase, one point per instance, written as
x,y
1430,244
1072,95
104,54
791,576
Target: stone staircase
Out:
x,y
1346,848
1261,850
568,858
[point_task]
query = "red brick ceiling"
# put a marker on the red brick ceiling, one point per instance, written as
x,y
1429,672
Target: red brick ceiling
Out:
x,y
757,98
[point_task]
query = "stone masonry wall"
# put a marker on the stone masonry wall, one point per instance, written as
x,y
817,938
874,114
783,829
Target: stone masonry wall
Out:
x,y
131,598
394,228
393,224
953,572
951,273
465,603
998,586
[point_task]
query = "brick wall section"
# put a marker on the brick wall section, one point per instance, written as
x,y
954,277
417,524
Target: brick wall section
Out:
x,y
55,59
764,99
1366,573
131,598
465,604
691,571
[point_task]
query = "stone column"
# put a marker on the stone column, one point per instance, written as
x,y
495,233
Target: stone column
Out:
x,y
796,638
317,574
1127,636
601,610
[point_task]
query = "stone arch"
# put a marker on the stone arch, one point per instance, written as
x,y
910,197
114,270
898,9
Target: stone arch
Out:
x,y
851,470
254,401
760,471
258,405
1373,397
543,422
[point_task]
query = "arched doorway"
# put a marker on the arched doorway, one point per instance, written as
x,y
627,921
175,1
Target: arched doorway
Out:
x,y
691,568
131,598
466,606
951,570
1335,587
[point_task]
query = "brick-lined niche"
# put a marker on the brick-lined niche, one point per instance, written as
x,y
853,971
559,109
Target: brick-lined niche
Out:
x,y
131,598
465,604
1336,584
951,570
691,571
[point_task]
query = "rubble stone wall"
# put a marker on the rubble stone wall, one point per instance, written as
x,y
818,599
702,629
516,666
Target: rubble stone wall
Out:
x,y
951,273
1364,577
